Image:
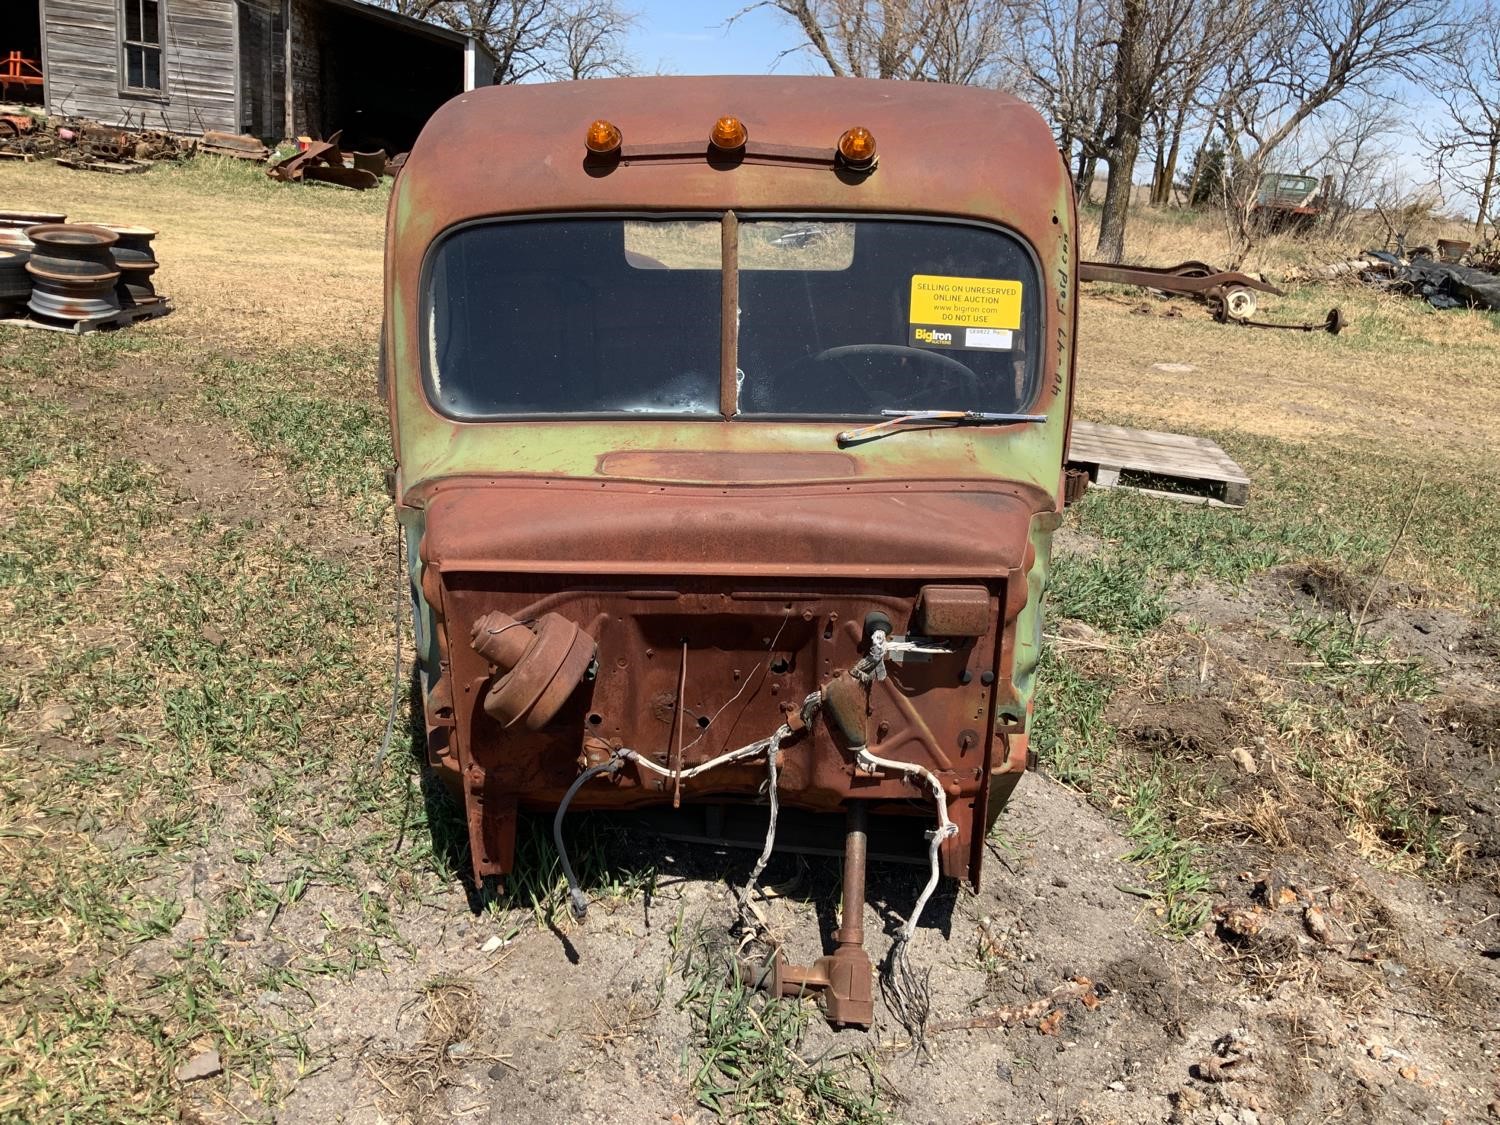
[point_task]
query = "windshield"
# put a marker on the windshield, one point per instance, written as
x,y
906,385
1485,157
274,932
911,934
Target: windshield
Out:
x,y
839,318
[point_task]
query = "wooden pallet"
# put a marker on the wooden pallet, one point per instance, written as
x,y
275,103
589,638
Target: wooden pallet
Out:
x,y
1174,466
114,167
122,319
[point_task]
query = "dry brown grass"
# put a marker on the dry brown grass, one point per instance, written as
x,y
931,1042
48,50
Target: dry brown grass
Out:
x,y
1161,236
1293,386
414,1079
1298,387
245,259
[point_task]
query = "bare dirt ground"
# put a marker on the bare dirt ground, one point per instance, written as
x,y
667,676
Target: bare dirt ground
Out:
x,y
1258,879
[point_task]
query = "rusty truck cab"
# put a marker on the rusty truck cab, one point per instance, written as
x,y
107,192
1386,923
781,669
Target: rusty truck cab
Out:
x,y
658,353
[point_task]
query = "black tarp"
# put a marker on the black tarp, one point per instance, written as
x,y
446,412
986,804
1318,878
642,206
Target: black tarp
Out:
x,y
1442,285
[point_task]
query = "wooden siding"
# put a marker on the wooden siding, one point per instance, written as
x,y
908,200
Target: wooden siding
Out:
x,y
83,66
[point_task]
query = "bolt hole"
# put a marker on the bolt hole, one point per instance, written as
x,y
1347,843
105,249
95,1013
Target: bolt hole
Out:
x,y
703,722
828,631
595,719
780,665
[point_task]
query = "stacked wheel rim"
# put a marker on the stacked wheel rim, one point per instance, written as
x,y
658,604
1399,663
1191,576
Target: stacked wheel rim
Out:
x,y
13,226
73,272
136,260
15,282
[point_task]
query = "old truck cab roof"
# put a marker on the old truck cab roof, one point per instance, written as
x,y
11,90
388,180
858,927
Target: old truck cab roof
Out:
x,y
957,154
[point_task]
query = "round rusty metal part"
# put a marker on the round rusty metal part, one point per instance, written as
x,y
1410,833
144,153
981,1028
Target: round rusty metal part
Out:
x,y
136,272
501,639
134,245
57,306
31,218
514,694
73,272
66,253
15,282
564,684
71,238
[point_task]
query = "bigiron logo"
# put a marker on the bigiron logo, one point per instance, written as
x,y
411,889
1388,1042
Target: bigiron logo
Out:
x,y
930,336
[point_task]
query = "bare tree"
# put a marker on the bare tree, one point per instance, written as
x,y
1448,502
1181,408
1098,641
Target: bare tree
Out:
x,y
1117,76
1314,54
1061,64
590,41
1129,101
958,41
1352,150
1186,96
537,38
1157,46
1466,149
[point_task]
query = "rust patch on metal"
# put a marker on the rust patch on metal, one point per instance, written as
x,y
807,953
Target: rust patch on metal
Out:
x,y
954,611
541,667
718,466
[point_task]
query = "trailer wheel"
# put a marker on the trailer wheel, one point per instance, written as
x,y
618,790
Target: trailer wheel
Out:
x,y
1239,303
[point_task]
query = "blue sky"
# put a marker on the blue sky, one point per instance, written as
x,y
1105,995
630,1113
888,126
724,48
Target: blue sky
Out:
x,y
689,37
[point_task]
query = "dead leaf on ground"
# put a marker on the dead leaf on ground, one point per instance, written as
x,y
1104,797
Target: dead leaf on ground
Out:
x,y
1316,924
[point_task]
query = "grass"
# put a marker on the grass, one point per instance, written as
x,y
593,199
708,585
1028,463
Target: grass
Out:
x,y
745,1061
201,682
179,681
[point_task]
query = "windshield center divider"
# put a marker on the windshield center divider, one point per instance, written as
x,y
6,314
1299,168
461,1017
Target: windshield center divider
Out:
x,y
729,320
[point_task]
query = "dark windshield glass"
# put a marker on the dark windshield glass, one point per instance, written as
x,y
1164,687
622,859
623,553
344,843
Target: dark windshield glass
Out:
x,y
563,316
881,314
840,318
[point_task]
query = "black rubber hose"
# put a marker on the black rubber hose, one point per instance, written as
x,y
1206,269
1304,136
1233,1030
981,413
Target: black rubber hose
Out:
x,y
577,901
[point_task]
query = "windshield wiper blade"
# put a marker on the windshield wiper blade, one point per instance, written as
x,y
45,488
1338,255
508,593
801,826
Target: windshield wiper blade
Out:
x,y
897,420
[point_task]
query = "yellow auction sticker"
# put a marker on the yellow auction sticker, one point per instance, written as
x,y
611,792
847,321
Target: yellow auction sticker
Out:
x,y
976,312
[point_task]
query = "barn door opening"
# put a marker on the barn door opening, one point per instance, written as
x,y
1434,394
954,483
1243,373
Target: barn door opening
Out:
x,y
21,54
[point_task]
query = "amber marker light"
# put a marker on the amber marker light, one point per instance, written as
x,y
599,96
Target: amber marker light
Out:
x,y
729,134
602,138
857,147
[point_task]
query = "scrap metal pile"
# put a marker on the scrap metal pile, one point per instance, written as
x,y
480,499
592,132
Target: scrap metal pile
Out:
x,y
88,145
324,162
1443,284
75,277
1230,295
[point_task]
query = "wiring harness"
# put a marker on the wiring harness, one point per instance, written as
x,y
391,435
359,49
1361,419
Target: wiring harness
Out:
x,y
870,668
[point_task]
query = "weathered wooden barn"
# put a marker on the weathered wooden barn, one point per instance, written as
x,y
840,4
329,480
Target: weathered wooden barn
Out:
x,y
270,68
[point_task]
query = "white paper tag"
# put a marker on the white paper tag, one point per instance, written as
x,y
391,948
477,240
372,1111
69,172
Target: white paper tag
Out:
x,y
997,338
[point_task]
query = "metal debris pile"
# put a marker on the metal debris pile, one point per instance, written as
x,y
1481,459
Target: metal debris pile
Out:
x,y
1229,295
236,146
325,162
93,147
87,145
76,277
1442,282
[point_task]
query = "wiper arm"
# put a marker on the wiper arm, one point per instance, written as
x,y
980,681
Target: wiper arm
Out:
x,y
923,419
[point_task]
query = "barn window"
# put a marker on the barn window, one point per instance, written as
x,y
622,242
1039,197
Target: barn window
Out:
x,y
141,45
